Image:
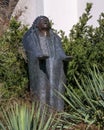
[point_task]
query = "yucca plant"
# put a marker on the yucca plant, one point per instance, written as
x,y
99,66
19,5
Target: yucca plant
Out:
x,y
87,104
20,117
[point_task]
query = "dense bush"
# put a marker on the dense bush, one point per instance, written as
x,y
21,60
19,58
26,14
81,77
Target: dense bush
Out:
x,y
13,75
86,44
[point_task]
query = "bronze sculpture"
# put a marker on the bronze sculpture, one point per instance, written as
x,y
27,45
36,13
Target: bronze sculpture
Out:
x,y
45,62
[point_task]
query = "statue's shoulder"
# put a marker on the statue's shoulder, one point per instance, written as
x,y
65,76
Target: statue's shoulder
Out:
x,y
29,31
54,34
27,36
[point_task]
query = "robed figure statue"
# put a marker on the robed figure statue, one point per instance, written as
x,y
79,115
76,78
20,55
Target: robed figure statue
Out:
x,y
45,63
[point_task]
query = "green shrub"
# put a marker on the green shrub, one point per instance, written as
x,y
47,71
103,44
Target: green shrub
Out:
x,y
13,74
86,44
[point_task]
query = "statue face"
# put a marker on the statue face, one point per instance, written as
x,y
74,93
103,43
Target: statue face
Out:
x,y
43,24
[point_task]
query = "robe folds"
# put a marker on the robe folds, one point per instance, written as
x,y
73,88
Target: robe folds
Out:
x,y
46,67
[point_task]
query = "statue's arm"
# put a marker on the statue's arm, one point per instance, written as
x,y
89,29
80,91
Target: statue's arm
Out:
x,y
60,50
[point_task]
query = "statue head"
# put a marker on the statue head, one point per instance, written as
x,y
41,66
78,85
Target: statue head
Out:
x,y
42,23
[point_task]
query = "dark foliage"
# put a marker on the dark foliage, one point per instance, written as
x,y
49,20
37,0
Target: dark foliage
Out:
x,y
13,74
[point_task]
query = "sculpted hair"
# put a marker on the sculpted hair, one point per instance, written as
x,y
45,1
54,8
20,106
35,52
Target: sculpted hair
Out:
x,y
36,21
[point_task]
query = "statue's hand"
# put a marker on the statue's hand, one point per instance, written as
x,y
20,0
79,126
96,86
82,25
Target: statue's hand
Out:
x,y
43,57
68,58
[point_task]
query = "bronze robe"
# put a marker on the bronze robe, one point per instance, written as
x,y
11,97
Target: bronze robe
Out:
x,y
46,74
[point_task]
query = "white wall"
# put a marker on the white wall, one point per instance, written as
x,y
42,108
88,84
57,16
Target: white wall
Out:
x,y
66,13
63,13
